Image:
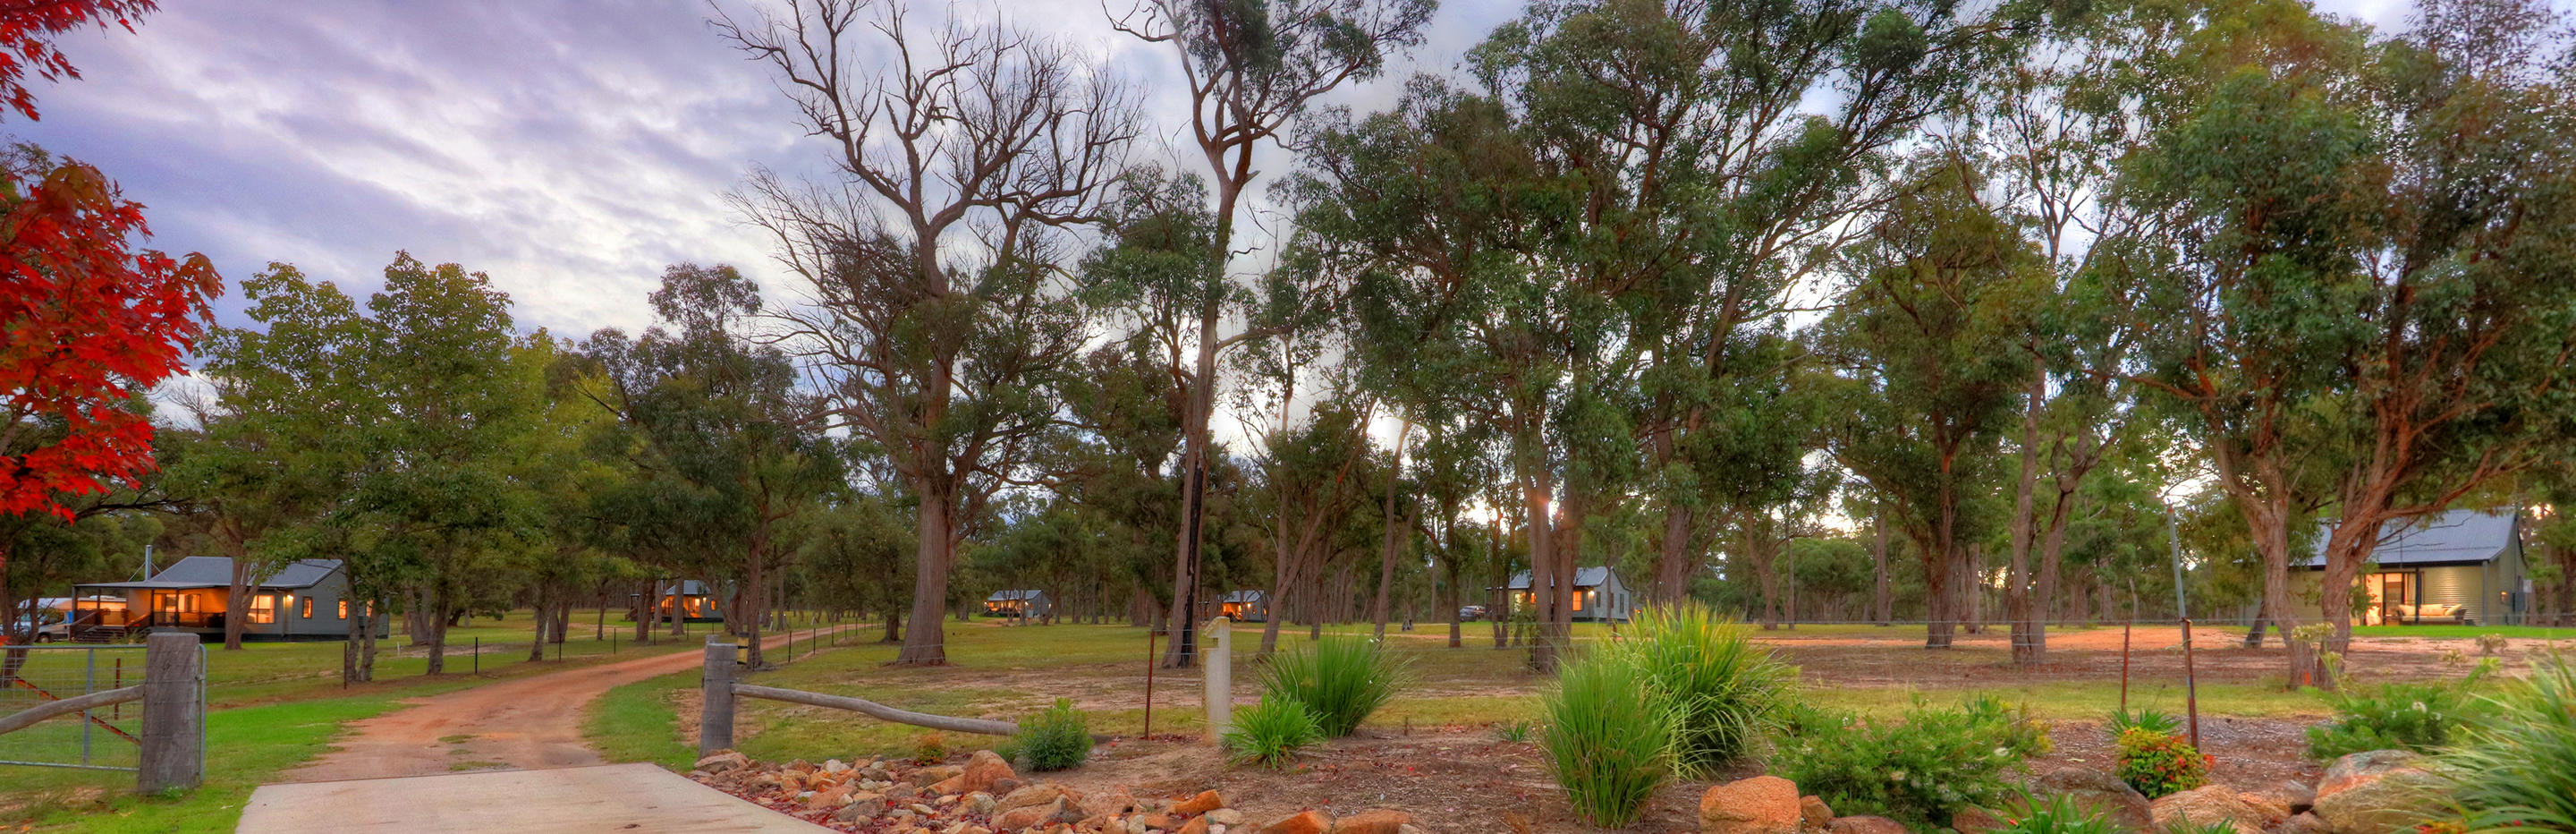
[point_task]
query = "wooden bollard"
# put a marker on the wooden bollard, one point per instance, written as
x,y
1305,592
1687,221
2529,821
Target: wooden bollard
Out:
x,y
174,714
1220,677
715,713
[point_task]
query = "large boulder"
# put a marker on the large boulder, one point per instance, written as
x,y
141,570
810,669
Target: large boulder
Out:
x,y
1308,822
2377,792
1379,821
981,772
2209,805
1759,805
1975,820
2100,792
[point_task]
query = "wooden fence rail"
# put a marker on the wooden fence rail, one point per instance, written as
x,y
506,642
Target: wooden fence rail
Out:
x,y
173,693
719,690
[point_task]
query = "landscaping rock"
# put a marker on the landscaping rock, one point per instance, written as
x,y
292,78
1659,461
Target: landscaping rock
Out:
x,y
1225,816
1814,813
1866,825
1024,816
1975,820
1204,802
1378,821
981,802
1110,803
929,776
1196,825
2302,823
863,806
1035,795
1759,805
2377,792
2101,793
2299,796
982,770
2209,805
723,760
1308,822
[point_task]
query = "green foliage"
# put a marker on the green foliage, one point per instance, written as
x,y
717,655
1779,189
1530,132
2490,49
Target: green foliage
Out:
x,y
1608,747
1916,770
1056,738
1722,691
2147,718
1515,732
2058,814
2408,716
1344,679
929,749
2515,769
1270,732
2160,763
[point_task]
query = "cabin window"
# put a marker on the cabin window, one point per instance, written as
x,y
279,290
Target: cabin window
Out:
x,y
308,608
1578,600
344,609
263,609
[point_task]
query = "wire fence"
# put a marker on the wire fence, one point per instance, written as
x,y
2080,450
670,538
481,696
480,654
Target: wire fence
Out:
x,y
108,738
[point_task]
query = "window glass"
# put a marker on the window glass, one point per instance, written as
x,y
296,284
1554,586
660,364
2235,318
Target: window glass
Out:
x,y
344,609
308,608
263,609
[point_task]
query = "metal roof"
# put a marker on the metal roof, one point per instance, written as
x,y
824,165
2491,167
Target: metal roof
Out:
x,y
2455,537
1246,596
1583,578
1001,596
217,572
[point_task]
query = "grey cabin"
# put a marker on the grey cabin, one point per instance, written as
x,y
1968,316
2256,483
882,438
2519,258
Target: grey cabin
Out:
x,y
2463,567
1599,596
306,600
1030,604
1245,606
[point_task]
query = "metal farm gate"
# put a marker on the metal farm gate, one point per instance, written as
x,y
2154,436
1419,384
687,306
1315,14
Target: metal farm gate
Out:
x,y
106,738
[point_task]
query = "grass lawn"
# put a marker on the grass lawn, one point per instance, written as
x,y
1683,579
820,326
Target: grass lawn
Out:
x,y
274,706
1005,673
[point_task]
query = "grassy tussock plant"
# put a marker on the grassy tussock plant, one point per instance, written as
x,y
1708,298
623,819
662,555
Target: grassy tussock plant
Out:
x,y
1271,732
1343,679
2515,769
1918,769
2396,716
2146,718
2058,814
1056,738
1608,747
1723,691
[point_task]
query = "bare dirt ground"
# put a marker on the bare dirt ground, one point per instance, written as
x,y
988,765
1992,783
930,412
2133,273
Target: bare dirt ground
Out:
x,y
525,724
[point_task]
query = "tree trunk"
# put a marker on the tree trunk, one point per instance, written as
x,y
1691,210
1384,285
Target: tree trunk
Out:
x,y
2026,649
932,557
1394,533
236,592
434,598
1542,535
1882,606
544,622
1674,561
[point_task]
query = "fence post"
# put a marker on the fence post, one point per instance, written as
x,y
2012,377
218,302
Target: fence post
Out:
x,y
1220,677
174,714
715,715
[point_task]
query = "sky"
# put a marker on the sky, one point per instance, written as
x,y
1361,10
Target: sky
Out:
x,y
569,149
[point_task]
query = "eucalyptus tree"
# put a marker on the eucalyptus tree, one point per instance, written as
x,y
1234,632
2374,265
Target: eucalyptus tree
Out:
x,y
723,447
937,312
2372,276
1251,68
1925,371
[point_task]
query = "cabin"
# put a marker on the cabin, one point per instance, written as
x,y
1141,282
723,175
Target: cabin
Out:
x,y
2463,567
1599,596
1245,606
305,600
1030,604
693,600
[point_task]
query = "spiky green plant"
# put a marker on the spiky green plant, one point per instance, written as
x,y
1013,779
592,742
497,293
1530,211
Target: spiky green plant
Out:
x,y
2057,814
1609,748
1271,732
2515,770
2145,718
1724,692
1056,738
1343,679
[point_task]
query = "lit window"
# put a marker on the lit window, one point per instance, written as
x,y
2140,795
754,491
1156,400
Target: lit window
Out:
x,y
344,609
263,609
308,608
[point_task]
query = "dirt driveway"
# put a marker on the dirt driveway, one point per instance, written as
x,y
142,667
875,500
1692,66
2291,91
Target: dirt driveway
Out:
x,y
525,724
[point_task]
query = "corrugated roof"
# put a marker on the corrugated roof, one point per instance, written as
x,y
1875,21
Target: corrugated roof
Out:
x,y
217,572
2450,538
1583,578
1245,596
1003,596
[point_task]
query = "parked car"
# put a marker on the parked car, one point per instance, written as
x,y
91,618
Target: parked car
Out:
x,y
1471,613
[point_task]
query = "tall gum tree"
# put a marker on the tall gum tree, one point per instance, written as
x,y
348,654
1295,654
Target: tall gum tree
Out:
x,y
936,309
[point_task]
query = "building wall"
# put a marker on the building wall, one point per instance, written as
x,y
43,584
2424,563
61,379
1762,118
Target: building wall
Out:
x,y
2484,588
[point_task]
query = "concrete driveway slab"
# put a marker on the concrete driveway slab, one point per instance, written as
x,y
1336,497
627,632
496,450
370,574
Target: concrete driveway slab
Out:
x,y
608,799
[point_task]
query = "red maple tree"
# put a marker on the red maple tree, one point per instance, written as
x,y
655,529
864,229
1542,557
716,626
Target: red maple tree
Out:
x,y
27,30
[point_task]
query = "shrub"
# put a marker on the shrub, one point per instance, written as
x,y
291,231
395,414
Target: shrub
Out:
x,y
1514,731
2491,644
2515,770
1270,732
930,749
2409,716
1721,690
2145,717
1918,770
1056,738
1608,747
2158,763
2058,815
1343,680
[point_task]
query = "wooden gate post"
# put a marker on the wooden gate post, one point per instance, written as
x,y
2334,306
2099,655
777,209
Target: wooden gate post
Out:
x,y
174,714
1220,677
715,714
